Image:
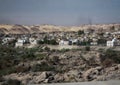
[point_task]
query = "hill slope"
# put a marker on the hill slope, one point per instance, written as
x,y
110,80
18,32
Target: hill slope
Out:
x,y
22,29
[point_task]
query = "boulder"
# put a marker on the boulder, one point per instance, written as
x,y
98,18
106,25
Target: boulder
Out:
x,y
92,73
40,78
58,78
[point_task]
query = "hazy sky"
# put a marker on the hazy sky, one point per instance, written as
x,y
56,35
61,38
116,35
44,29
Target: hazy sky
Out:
x,y
59,12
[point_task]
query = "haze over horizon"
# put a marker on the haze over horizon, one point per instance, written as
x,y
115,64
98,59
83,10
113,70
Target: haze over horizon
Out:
x,y
59,12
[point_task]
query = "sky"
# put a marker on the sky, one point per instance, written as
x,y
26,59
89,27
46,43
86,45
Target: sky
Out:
x,y
59,12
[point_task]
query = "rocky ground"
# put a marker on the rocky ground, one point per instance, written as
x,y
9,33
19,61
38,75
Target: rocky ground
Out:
x,y
68,66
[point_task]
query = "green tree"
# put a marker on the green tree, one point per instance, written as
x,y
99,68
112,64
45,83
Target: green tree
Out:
x,y
102,41
80,32
53,42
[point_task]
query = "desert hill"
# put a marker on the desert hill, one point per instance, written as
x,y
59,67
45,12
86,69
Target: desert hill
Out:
x,y
23,29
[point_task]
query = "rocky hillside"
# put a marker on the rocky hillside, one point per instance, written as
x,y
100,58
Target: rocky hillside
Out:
x,y
22,29
38,65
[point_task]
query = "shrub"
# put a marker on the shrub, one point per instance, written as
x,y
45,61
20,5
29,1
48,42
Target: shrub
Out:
x,y
107,62
64,50
47,48
40,42
84,43
102,41
42,67
80,32
101,50
40,56
1,79
6,71
110,57
53,42
87,48
12,82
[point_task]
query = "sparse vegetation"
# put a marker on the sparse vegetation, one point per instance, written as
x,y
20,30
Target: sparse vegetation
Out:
x,y
10,56
102,41
64,50
12,82
42,67
87,48
111,57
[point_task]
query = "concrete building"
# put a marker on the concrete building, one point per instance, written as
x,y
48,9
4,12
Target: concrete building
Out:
x,y
113,43
19,43
7,39
62,42
93,43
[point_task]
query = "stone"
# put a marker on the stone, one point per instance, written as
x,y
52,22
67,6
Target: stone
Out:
x,y
41,77
92,73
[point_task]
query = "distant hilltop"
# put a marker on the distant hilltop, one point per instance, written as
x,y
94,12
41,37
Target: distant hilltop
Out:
x,y
24,29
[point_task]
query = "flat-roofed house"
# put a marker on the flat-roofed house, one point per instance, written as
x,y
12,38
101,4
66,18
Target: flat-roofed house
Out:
x,y
19,43
62,42
113,43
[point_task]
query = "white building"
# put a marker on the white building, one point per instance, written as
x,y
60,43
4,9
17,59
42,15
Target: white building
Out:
x,y
33,41
73,41
113,43
62,42
94,39
7,39
19,43
93,43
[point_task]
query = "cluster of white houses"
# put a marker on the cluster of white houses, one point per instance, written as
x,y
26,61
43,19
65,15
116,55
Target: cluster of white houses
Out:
x,y
21,42
33,41
113,39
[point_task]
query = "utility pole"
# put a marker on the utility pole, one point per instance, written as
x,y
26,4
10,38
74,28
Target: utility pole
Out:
x,y
89,21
